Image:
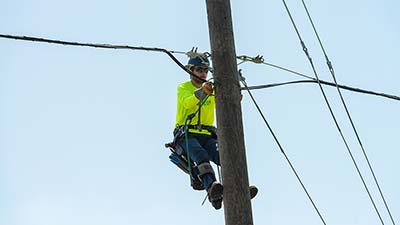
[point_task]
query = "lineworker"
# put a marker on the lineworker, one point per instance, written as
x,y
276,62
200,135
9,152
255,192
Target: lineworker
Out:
x,y
201,140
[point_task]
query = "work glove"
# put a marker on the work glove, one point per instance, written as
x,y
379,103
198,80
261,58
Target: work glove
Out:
x,y
205,90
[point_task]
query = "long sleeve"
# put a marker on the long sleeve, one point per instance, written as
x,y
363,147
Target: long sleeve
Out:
x,y
187,98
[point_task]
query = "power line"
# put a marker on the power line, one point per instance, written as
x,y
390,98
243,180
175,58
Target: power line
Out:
x,y
329,63
311,79
170,52
106,46
330,109
280,146
255,87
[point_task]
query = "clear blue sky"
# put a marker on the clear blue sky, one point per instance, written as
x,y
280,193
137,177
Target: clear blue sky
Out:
x,y
82,130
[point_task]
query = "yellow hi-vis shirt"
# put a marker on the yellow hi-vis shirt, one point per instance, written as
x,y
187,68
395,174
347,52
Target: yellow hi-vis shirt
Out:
x,y
187,103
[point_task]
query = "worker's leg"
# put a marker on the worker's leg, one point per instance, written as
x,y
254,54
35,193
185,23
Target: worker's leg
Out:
x,y
211,146
200,156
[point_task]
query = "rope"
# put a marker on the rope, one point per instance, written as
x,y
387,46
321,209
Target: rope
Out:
x,y
189,118
330,109
106,46
328,84
185,130
329,64
188,121
281,148
220,179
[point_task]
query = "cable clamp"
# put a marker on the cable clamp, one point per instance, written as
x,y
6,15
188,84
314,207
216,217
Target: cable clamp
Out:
x,y
258,59
193,53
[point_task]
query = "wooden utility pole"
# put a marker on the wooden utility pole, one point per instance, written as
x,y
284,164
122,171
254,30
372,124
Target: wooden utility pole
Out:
x,y
237,204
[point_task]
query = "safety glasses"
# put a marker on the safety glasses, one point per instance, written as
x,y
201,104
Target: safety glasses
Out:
x,y
201,69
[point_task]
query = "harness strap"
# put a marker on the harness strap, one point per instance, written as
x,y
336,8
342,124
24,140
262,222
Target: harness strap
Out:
x,y
200,127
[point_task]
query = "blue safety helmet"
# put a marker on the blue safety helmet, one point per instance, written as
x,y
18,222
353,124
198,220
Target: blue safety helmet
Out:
x,y
198,61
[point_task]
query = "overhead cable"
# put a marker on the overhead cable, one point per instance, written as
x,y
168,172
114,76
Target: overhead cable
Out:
x,y
311,79
280,146
107,46
255,87
330,66
190,53
331,111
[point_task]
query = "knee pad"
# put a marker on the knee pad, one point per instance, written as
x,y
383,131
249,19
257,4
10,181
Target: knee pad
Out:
x,y
205,168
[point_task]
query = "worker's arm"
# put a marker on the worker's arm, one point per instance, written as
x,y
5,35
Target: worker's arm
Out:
x,y
187,98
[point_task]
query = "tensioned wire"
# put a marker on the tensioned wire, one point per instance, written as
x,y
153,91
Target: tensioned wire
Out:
x,y
330,66
280,147
262,86
108,46
331,111
170,52
311,79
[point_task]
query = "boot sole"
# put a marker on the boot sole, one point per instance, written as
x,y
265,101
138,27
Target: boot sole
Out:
x,y
253,191
215,196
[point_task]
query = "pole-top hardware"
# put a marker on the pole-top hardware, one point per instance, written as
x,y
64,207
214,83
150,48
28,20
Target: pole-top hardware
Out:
x,y
258,59
193,53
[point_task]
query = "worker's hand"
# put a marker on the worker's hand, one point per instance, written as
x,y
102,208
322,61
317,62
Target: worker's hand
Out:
x,y
241,96
207,88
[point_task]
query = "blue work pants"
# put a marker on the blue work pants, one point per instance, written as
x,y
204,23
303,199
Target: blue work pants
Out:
x,y
202,148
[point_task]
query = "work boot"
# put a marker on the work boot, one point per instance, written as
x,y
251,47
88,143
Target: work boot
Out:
x,y
253,191
215,194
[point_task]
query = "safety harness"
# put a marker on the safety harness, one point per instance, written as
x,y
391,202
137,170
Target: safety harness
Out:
x,y
182,160
179,158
